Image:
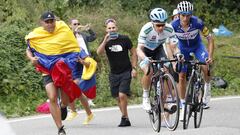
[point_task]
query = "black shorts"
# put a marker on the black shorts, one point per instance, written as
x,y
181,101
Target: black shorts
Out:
x,y
47,79
120,83
156,54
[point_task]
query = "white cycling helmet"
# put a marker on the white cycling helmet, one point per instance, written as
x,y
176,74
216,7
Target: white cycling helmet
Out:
x,y
158,15
185,7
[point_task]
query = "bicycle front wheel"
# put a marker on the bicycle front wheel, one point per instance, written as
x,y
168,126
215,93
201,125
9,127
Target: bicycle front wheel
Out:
x,y
169,102
154,113
198,102
188,107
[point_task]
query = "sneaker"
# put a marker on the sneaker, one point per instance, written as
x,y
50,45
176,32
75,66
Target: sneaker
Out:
x,y
88,119
64,113
124,122
61,131
163,124
146,104
72,115
90,102
207,93
205,106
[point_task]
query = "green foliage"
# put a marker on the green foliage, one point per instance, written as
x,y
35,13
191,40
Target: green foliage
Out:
x,y
227,14
18,80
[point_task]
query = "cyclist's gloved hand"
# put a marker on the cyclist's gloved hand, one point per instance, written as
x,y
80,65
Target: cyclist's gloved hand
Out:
x,y
146,60
209,60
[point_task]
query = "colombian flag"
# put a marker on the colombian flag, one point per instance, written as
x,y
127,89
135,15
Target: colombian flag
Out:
x,y
58,53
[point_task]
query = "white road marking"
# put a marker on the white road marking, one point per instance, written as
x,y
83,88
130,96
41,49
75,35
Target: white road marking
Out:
x,y
102,110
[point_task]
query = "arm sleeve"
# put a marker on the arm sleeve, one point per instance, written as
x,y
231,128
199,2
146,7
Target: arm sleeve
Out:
x,y
92,35
129,42
142,36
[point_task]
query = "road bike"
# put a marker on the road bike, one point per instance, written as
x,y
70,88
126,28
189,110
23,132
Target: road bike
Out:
x,y
194,94
164,98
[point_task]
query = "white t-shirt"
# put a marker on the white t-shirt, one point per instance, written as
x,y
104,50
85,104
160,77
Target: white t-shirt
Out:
x,y
82,43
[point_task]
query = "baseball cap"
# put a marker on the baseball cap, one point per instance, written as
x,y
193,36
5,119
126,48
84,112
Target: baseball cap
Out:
x,y
175,12
48,15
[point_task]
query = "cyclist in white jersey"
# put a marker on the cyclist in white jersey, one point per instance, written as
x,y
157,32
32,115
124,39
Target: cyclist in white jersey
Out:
x,y
150,44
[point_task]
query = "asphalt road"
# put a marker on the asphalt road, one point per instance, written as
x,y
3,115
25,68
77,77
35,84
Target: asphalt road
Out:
x,y
222,118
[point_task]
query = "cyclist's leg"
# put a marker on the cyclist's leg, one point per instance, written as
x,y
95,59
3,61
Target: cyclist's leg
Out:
x,y
182,84
52,95
162,54
146,79
202,54
182,75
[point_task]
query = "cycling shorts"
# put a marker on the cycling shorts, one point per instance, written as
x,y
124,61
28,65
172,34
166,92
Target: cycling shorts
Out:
x,y
157,54
199,51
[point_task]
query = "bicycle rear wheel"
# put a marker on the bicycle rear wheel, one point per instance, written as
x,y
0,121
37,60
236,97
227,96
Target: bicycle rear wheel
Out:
x,y
188,108
169,102
198,101
154,113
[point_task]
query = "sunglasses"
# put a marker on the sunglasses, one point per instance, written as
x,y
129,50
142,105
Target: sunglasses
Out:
x,y
109,20
49,21
159,25
76,24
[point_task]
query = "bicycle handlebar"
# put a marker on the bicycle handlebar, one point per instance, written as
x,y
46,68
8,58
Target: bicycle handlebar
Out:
x,y
161,62
194,62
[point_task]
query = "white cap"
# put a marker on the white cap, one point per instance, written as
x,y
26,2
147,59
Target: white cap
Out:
x,y
175,12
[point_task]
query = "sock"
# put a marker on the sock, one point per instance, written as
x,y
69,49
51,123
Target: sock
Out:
x,y
145,93
182,102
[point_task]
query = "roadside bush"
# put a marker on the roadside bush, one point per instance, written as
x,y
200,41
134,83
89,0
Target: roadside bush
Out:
x,y
18,80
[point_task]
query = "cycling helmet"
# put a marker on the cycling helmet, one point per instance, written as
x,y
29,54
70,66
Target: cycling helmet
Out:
x,y
158,15
185,7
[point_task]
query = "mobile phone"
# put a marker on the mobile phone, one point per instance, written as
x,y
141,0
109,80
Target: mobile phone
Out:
x,y
113,35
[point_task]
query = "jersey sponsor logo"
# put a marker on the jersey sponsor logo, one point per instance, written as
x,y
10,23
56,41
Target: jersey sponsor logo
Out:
x,y
188,35
205,31
116,48
153,38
